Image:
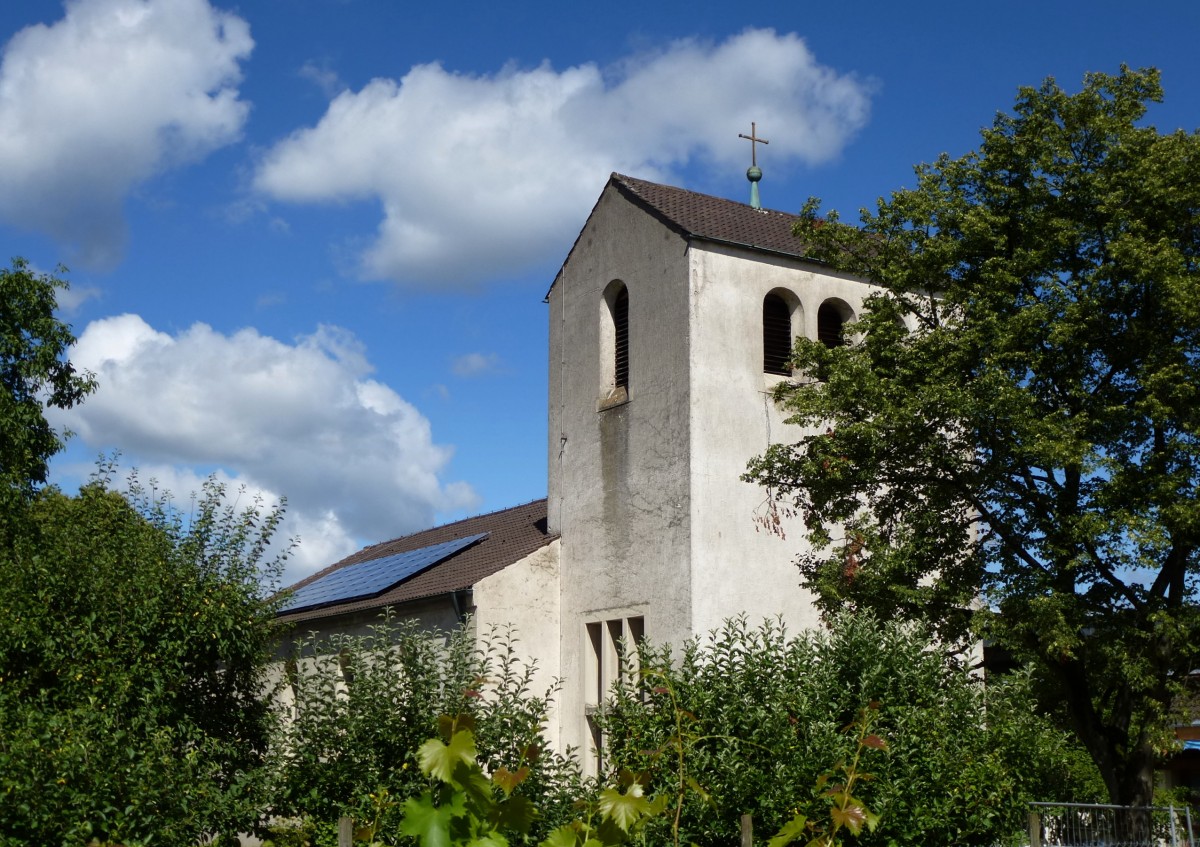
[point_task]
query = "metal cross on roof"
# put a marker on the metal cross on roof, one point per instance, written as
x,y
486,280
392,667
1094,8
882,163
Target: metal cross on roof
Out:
x,y
754,140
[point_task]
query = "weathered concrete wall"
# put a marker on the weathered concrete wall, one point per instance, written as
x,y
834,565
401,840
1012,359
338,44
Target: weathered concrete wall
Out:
x,y
619,475
738,567
434,613
525,597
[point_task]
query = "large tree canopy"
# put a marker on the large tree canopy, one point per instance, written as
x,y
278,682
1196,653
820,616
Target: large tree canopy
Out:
x,y
133,637
1011,440
132,651
33,371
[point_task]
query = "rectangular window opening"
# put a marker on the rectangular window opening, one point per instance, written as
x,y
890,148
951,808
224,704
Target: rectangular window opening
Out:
x,y
612,654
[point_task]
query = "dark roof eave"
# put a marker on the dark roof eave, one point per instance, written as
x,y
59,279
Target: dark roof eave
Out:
x,y
313,613
771,251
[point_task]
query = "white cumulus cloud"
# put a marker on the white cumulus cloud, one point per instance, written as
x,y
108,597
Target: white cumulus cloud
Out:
x,y
114,93
479,176
354,459
322,537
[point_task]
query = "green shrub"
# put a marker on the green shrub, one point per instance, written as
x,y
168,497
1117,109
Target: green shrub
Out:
x,y
761,717
344,745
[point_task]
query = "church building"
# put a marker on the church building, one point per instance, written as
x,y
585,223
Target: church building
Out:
x,y
671,321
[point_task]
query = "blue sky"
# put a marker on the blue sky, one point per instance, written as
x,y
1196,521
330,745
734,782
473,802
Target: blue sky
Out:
x,y
308,240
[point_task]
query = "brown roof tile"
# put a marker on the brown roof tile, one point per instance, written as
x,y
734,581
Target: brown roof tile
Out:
x,y
713,218
705,217
513,534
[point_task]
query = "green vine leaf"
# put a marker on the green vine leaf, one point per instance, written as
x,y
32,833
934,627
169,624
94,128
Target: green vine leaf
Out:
x,y
624,809
564,836
517,813
429,824
489,839
439,760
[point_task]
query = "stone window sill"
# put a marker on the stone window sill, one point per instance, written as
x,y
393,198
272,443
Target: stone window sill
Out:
x,y
619,396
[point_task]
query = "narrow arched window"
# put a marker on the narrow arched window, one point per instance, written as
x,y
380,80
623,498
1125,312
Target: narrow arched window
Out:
x,y
777,335
620,312
830,325
614,344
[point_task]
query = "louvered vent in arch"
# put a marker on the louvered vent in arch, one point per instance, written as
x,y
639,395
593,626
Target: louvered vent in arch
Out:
x,y
777,335
621,330
829,325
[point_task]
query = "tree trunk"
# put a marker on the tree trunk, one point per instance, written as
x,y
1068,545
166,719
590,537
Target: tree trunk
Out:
x,y
1126,764
1136,786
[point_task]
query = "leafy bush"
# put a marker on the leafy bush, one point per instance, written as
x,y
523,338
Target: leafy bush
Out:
x,y
131,655
760,716
466,806
364,705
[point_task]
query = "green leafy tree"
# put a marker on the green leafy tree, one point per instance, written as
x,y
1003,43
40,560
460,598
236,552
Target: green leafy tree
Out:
x,y
34,372
132,648
1016,418
760,720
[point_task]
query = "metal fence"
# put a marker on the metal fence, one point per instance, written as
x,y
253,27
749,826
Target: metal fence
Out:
x,y
1093,825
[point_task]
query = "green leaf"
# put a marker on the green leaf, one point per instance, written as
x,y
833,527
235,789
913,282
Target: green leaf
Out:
x,y
516,813
439,760
424,821
699,790
624,809
790,831
490,839
563,836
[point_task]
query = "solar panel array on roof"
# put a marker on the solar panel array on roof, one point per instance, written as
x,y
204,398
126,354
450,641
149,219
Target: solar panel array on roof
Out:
x,y
373,576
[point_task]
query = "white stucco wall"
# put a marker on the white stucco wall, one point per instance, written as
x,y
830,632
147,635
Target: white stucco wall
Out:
x,y
738,567
525,597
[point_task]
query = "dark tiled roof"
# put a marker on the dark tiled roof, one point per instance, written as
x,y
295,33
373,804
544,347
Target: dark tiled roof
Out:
x,y
512,535
705,217
713,218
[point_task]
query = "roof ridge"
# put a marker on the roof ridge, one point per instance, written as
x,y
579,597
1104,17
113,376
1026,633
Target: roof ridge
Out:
x,y
717,220
702,218
629,180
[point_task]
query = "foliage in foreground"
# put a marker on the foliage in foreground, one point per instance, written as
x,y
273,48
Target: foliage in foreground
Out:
x,y
362,707
462,805
750,720
1018,415
131,653
465,806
